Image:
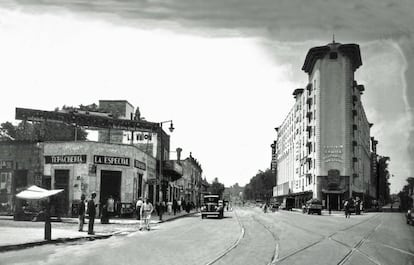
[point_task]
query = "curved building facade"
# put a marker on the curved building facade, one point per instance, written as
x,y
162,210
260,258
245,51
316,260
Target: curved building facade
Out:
x,y
323,145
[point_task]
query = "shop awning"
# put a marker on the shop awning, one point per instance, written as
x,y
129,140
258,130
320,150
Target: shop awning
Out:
x,y
36,193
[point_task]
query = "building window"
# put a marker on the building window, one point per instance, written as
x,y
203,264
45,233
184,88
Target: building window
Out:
x,y
333,55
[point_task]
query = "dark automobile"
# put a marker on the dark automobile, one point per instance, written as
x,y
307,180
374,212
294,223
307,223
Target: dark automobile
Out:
x,y
314,206
410,216
212,206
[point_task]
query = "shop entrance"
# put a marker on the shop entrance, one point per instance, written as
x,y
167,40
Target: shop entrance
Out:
x,y
61,200
333,201
110,185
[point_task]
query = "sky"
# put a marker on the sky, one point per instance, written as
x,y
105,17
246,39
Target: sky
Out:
x,y
222,70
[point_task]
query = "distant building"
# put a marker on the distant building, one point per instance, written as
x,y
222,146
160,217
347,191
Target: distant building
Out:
x,y
322,148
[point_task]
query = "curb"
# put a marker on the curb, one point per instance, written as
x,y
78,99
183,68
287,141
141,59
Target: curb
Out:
x,y
176,217
53,241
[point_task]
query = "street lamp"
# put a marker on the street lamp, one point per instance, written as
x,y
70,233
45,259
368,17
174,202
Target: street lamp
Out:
x,y
171,125
171,129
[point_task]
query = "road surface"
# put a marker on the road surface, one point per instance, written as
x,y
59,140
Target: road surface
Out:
x,y
244,236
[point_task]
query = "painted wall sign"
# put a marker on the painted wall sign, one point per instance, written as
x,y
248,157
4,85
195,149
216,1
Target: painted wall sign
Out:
x,y
333,153
111,160
140,165
65,159
6,164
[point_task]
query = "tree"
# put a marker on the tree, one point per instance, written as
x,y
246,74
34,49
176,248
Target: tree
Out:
x,y
216,187
260,186
407,195
47,131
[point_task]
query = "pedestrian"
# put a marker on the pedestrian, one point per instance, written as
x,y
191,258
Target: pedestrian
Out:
x,y
138,206
81,212
175,206
346,208
146,211
169,208
91,213
104,214
110,206
160,209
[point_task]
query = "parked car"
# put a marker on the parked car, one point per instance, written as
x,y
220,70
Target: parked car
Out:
x,y
314,206
212,206
410,216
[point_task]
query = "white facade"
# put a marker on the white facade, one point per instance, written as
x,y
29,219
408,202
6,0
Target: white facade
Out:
x,y
323,145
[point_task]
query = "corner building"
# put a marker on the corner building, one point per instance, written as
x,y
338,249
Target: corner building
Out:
x,y
322,148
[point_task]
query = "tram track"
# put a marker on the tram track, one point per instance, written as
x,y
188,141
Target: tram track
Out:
x,y
234,245
330,237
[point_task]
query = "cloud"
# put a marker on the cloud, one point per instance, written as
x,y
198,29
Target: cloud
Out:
x,y
282,25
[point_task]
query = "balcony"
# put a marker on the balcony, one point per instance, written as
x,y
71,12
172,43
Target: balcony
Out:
x,y
361,88
309,86
354,112
354,143
354,159
309,114
172,169
355,175
354,99
308,143
309,128
309,101
354,127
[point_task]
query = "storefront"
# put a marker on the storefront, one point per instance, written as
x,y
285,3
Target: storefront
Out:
x,y
111,170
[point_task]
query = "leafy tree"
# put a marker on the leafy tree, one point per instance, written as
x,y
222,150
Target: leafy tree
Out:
x,y
216,187
260,186
407,194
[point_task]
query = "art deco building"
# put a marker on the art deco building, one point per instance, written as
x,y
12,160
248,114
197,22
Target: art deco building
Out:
x,y
322,148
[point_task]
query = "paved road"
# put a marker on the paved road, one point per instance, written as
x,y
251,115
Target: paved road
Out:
x,y
247,236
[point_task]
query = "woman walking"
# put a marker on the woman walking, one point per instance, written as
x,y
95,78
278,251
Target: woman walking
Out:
x,y
146,211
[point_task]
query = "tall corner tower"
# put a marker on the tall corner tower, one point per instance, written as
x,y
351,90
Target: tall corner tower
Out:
x,y
331,71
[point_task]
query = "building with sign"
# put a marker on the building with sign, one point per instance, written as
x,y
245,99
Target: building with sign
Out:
x,y
117,170
322,148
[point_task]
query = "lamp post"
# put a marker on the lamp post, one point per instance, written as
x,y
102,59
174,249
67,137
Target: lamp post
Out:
x,y
171,129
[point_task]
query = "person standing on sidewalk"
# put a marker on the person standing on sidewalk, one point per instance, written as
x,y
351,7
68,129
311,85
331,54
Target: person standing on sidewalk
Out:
x,y
146,211
138,206
91,213
81,212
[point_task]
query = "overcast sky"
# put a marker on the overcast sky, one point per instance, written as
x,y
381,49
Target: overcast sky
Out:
x,y
223,70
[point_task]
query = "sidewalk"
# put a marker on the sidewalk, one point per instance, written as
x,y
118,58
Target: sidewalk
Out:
x,y
22,234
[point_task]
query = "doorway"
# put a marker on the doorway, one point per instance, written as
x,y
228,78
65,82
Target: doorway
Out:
x,y
110,185
333,201
61,200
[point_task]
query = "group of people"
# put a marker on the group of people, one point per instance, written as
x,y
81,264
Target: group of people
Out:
x,y
144,209
356,204
89,210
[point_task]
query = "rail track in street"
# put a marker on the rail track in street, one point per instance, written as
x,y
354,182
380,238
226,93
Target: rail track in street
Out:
x,y
270,225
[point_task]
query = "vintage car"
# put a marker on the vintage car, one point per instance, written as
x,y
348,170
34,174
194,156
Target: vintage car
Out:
x,y
410,216
212,206
314,206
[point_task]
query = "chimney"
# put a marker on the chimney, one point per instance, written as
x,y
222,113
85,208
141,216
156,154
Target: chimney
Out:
x,y
179,153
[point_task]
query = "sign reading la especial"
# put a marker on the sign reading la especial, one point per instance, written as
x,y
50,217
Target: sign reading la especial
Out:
x,y
140,165
111,160
65,159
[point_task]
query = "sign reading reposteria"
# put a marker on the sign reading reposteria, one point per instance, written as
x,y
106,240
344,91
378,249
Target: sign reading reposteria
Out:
x,y
111,160
65,159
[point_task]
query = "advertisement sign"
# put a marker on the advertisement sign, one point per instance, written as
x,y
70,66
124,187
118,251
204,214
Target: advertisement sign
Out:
x,y
140,165
65,159
111,160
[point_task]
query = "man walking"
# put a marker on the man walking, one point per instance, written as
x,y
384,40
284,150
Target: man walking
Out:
x,y
91,212
81,212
